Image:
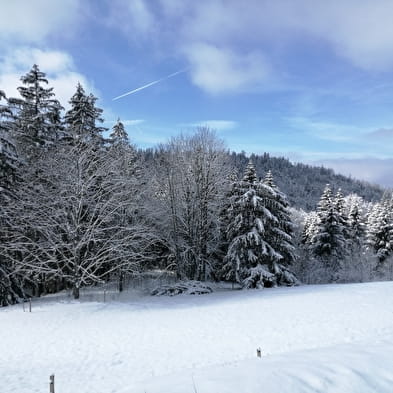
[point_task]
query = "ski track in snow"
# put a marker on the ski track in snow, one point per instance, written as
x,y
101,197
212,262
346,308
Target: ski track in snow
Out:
x,y
137,342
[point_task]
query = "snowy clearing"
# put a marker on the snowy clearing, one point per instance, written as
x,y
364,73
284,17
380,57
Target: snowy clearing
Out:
x,y
330,338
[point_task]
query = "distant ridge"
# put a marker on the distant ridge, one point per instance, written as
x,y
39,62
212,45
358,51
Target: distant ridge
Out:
x,y
303,184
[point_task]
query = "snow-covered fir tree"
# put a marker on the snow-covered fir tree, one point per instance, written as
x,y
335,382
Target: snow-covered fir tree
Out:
x,y
119,135
329,243
380,230
310,228
33,129
83,118
8,155
37,113
342,216
251,260
356,223
280,233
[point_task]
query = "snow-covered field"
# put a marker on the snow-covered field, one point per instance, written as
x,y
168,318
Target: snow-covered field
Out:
x,y
331,338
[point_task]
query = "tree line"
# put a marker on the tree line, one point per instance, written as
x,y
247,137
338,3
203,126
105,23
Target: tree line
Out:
x,y
78,208
347,239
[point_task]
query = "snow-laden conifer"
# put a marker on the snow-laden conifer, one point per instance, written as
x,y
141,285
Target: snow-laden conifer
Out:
x,y
8,155
37,113
310,228
380,230
356,224
329,243
83,117
253,232
280,232
119,135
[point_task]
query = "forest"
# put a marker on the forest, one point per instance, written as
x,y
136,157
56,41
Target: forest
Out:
x,y
81,205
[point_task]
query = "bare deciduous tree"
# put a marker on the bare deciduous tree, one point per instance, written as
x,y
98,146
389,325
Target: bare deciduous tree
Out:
x,y
74,224
190,181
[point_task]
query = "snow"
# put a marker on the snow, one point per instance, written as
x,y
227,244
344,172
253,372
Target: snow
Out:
x,y
327,338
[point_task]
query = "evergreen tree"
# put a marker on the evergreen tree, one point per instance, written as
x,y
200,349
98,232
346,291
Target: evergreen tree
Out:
x,y
250,176
81,120
37,113
340,207
329,241
119,135
356,224
310,228
380,230
8,156
122,151
280,233
251,260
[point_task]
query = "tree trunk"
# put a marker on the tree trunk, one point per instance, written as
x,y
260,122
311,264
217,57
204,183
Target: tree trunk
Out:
x,y
121,281
75,291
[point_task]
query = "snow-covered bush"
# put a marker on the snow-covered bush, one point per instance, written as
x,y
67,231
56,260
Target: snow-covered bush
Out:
x,y
183,287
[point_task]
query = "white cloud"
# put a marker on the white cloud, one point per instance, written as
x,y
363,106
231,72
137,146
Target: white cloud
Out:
x,y
24,57
58,67
33,21
219,70
360,31
227,42
133,17
174,8
26,28
143,19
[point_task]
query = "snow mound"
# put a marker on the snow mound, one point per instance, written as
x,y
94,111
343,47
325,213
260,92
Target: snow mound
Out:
x,y
183,287
358,368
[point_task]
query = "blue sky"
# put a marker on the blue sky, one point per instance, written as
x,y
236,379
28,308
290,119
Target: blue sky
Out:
x,y
311,80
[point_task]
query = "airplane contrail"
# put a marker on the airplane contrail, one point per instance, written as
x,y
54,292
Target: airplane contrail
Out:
x,y
150,84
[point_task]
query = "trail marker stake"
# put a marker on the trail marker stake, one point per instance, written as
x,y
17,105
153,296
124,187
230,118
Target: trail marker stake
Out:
x,y
52,383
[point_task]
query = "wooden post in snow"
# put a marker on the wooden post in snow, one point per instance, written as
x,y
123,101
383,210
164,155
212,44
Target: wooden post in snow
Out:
x,y
52,383
30,304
